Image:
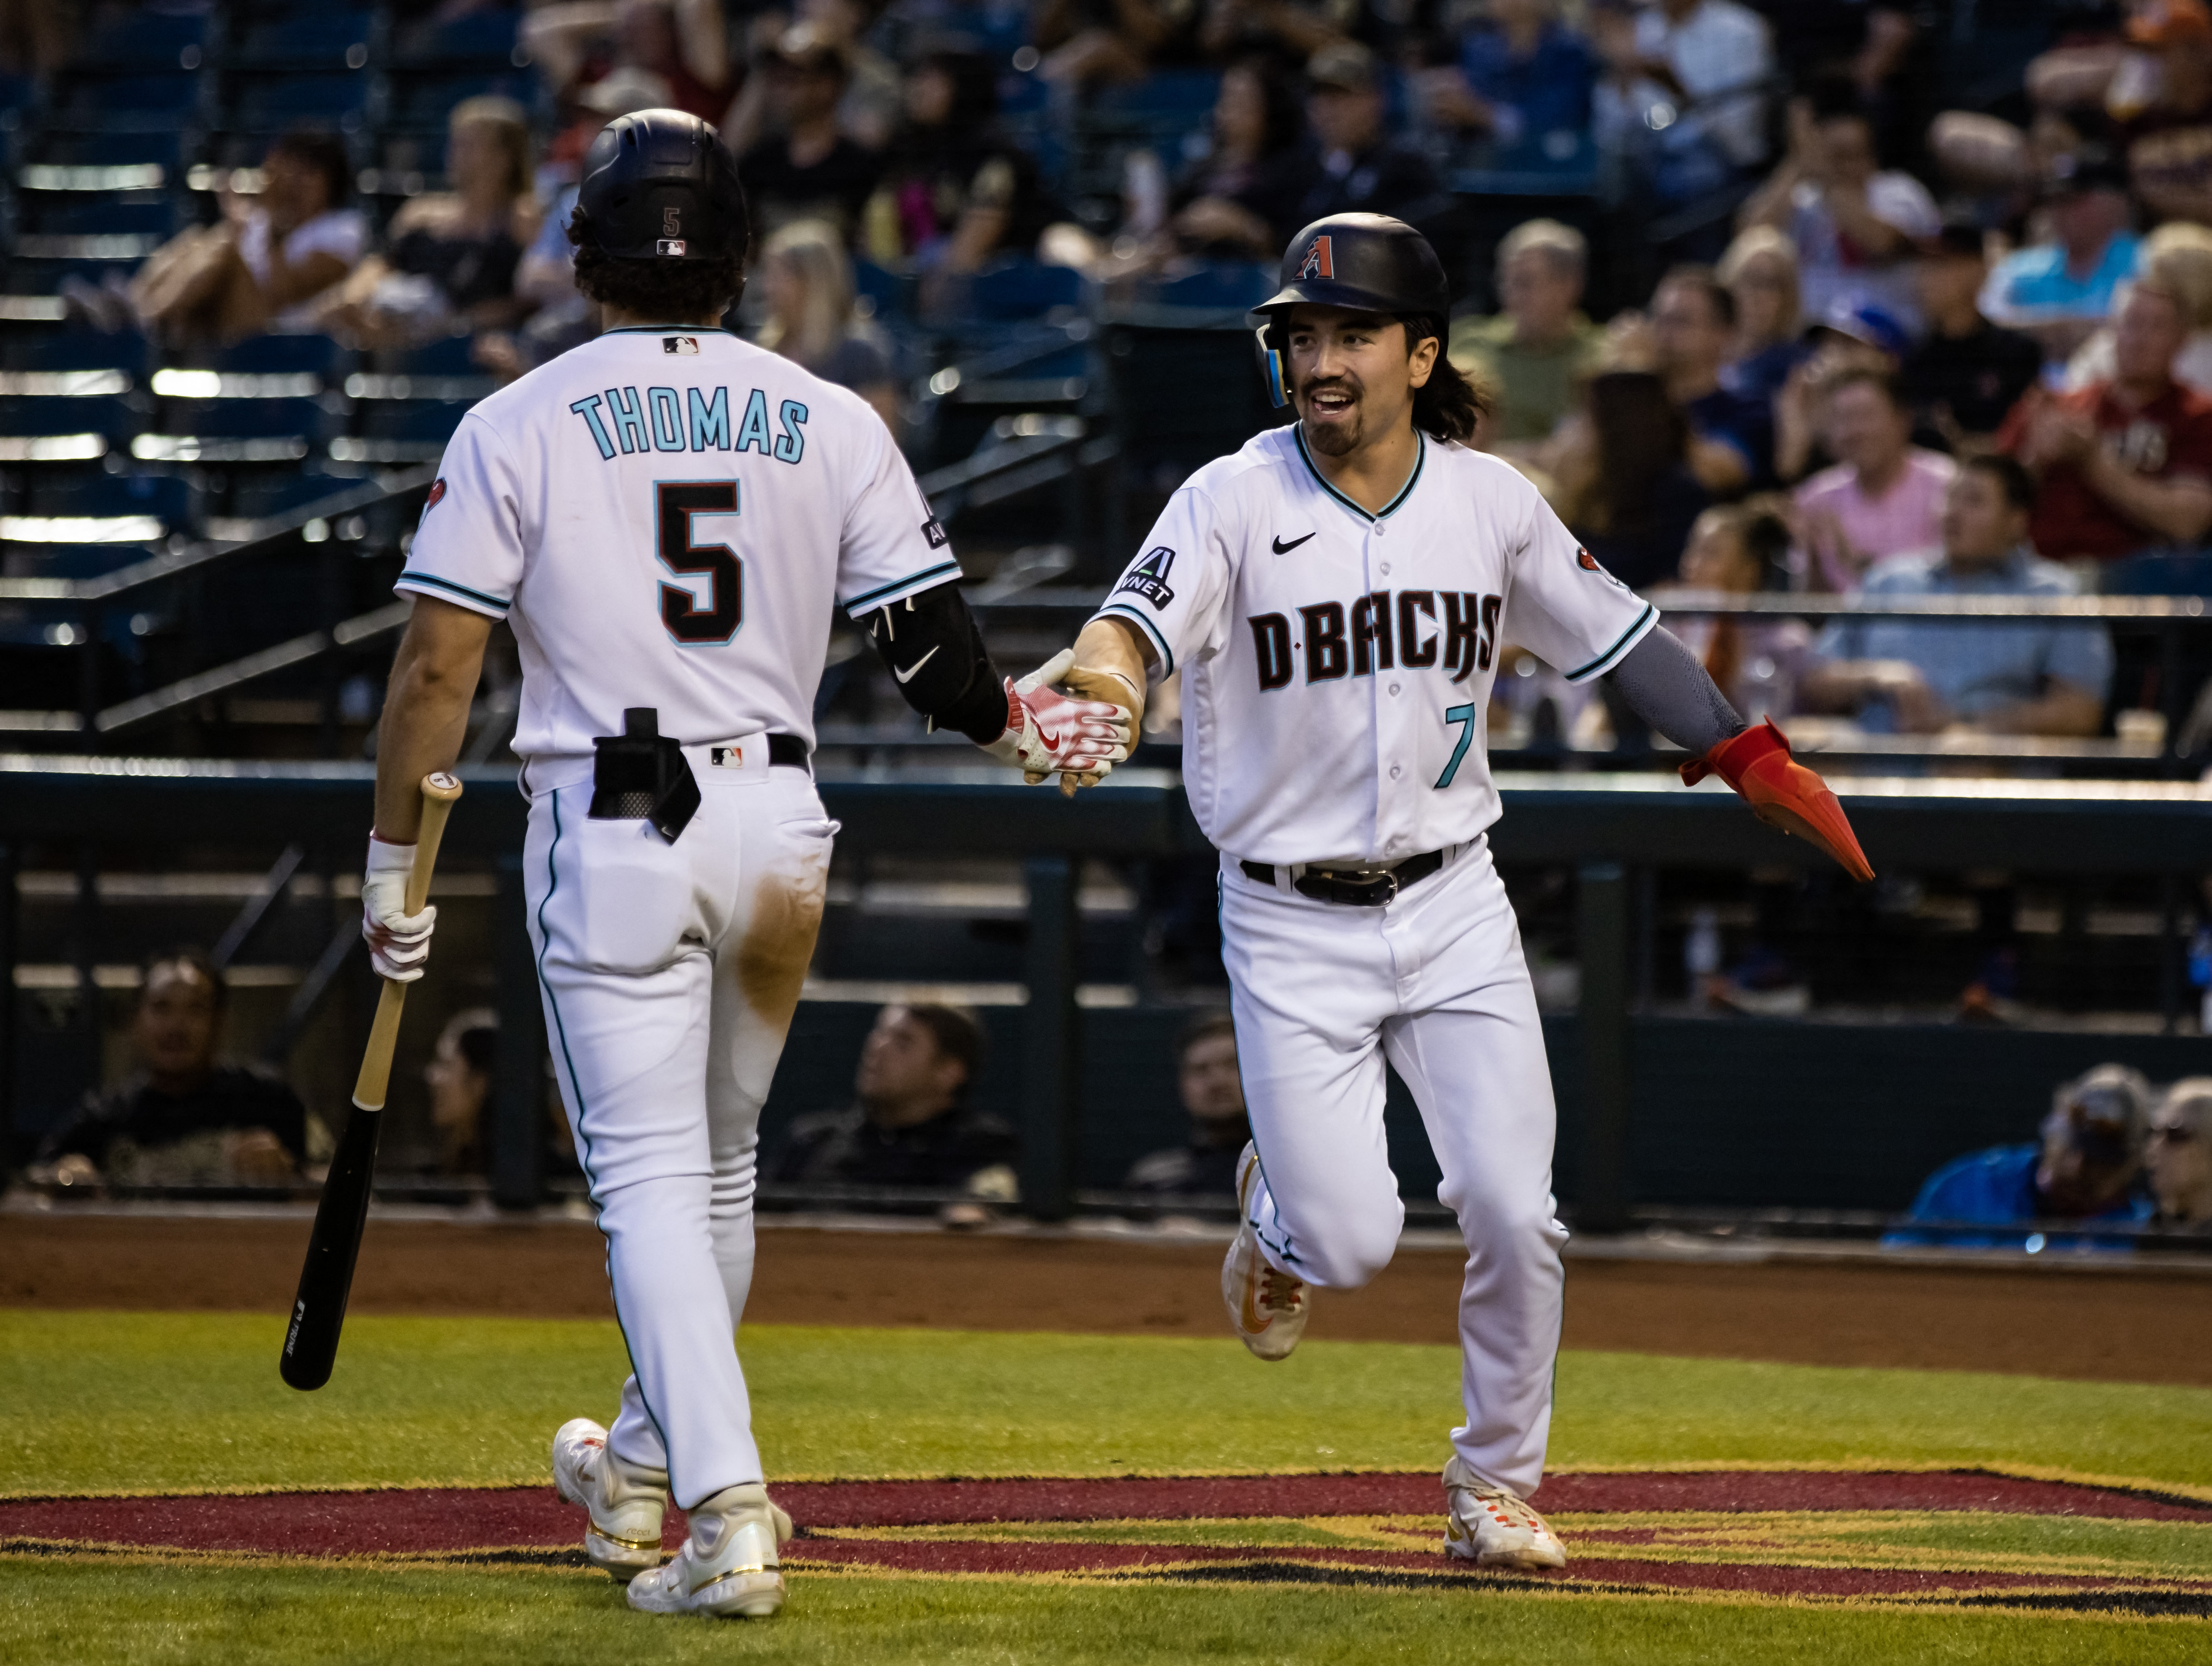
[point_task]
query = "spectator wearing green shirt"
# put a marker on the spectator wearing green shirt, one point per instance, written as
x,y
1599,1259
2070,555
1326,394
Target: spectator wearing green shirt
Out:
x,y
1535,354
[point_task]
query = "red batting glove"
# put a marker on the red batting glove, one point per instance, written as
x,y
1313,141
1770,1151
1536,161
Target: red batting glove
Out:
x,y
1783,792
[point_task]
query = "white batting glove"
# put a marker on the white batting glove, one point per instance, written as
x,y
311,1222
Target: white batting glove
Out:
x,y
1048,734
398,942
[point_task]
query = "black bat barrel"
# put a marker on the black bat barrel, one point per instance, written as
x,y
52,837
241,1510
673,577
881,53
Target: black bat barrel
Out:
x,y
311,1342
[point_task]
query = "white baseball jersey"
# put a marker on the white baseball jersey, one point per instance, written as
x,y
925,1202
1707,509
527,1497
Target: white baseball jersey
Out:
x,y
1336,663
655,512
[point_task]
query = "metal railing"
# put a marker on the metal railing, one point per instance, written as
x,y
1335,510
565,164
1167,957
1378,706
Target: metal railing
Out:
x,y
1609,830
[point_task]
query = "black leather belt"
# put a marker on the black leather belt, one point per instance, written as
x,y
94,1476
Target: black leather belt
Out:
x,y
788,750
1354,887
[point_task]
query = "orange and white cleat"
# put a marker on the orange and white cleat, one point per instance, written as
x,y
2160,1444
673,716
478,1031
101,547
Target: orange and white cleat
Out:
x,y
1493,1527
1268,1305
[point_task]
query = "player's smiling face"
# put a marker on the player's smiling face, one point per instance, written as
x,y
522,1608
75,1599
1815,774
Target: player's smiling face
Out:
x,y
1352,377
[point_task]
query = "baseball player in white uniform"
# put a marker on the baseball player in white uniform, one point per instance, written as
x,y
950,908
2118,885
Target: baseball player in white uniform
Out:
x,y
1334,595
667,517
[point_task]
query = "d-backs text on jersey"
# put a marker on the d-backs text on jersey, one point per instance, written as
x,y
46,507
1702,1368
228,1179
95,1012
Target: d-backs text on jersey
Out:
x,y
665,419
1382,631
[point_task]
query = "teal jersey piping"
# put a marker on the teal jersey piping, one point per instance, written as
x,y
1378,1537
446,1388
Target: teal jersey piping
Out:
x,y
867,596
412,576
1620,643
1420,461
1167,653
584,1157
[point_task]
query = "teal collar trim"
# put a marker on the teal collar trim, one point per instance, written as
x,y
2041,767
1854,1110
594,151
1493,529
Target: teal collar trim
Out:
x,y
666,330
1420,459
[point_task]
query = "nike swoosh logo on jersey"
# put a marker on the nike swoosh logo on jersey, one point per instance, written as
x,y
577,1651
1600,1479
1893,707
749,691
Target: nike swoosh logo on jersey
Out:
x,y
907,675
1283,549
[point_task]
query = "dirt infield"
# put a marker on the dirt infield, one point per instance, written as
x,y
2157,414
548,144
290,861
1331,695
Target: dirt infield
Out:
x,y
1882,1537
2047,1322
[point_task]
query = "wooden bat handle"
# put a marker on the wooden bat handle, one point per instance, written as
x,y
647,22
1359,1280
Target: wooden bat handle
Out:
x,y
439,792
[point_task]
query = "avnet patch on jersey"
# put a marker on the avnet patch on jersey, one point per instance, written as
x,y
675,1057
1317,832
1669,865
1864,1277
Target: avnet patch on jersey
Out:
x,y
1149,577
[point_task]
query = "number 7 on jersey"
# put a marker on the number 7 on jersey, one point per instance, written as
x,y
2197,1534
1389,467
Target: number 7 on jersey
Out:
x,y
1464,716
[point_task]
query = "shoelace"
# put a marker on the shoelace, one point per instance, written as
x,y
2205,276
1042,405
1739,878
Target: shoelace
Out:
x,y
1279,1292
1507,1510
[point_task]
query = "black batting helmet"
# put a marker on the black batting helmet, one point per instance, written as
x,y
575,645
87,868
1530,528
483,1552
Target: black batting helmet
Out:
x,y
1368,262
660,184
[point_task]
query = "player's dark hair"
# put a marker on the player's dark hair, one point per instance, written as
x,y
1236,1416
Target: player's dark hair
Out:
x,y
194,960
1203,1028
664,291
1450,405
958,1035
2010,474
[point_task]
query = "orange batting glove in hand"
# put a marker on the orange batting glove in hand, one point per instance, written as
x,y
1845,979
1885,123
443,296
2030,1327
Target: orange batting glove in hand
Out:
x,y
1783,792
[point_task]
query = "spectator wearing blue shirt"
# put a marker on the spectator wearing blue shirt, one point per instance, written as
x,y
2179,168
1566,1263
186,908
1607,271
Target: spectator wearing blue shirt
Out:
x,y
1693,323
1920,676
2086,1168
1523,77
2060,292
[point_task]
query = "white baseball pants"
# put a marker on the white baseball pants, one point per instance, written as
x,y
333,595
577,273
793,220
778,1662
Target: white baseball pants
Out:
x,y
1434,979
670,973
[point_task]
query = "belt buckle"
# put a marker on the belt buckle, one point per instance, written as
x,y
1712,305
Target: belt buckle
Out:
x,y
1375,887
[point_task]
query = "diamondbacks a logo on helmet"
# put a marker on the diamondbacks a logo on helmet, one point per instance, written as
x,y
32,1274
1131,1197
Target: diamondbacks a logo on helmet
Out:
x,y
1149,577
1320,261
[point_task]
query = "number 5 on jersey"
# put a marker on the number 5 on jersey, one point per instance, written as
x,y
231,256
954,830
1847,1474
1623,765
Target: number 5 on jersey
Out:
x,y
675,502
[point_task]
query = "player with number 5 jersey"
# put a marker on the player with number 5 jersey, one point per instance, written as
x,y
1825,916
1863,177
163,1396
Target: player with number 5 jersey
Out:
x,y
669,518
1335,596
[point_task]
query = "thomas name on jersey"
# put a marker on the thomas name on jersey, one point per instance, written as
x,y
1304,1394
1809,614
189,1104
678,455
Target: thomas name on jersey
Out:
x,y
1384,631
665,419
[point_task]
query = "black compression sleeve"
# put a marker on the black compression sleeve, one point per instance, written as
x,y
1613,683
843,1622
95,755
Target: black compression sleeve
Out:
x,y
936,654
1665,685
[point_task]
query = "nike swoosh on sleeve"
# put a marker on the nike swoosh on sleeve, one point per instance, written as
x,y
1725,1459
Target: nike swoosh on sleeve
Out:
x,y
1283,549
907,675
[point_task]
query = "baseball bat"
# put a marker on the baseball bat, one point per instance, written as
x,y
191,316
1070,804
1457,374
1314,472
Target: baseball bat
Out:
x,y
311,1342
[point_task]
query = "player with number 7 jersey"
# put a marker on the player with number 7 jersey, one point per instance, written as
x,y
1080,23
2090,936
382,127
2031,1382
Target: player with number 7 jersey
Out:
x,y
1336,596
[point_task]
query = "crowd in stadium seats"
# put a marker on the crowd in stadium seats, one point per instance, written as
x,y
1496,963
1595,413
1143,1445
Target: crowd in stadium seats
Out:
x,y
1900,299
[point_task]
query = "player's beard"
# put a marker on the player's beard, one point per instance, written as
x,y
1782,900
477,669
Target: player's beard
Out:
x,y
1336,438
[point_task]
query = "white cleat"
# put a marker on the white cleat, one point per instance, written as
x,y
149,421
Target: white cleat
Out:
x,y
727,1566
1269,1307
1491,1526
626,1503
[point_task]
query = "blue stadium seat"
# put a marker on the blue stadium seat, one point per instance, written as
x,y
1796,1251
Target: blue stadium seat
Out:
x,y
272,103
1220,286
310,38
126,104
420,104
107,414
1016,289
280,356
891,294
482,39
95,493
264,495
78,214
409,431
145,42
233,430
47,347
448,356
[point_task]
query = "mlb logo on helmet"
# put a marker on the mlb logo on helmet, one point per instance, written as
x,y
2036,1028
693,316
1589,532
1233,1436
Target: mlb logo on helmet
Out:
x,y
1319,261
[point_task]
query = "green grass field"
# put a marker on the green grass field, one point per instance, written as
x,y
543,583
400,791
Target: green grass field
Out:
x,y
100,1402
